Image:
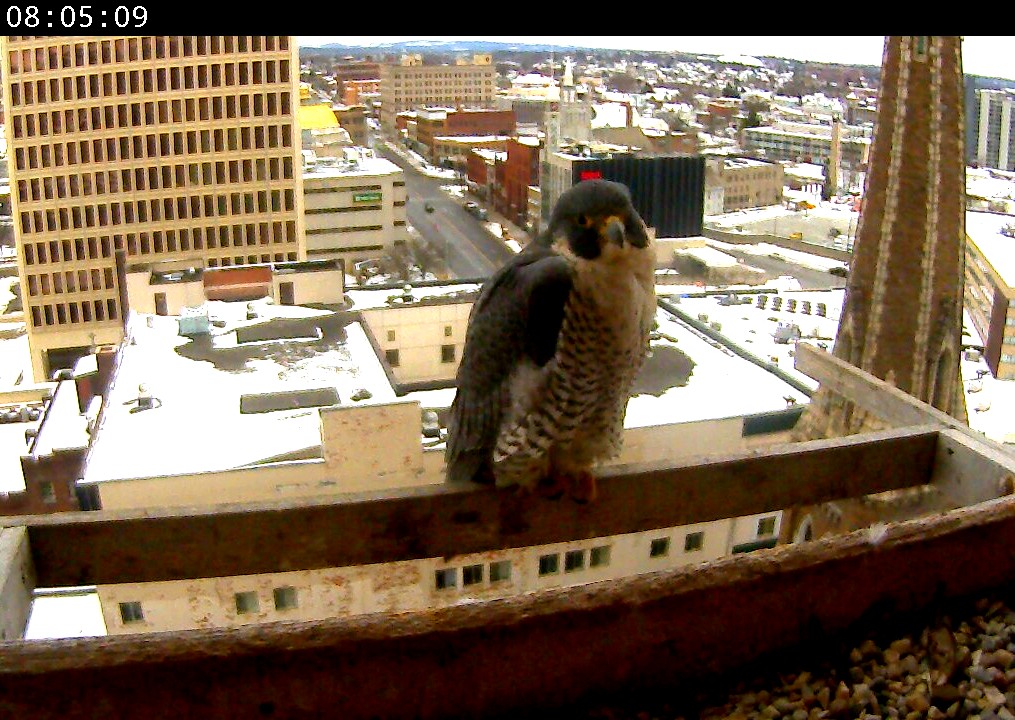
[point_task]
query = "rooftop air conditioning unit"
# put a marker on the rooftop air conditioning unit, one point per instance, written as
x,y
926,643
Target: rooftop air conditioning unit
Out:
x,y
144,397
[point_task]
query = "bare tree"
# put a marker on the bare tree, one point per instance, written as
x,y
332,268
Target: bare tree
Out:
x,y
411,259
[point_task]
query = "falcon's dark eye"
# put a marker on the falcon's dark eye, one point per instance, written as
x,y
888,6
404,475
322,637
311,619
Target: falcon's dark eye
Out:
x,y
583,221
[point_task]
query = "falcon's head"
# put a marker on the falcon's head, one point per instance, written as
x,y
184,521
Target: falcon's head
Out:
x,y
595,218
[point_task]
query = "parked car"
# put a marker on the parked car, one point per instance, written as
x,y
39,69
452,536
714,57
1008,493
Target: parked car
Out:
x,y
475,210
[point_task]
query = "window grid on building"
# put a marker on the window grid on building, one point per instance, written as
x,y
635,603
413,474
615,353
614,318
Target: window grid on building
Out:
x,y
599,556
574,560
446,578
160,147
500,571
549,564
472,574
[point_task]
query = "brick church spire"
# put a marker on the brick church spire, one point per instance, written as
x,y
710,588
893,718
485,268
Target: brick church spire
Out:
x,y
902,315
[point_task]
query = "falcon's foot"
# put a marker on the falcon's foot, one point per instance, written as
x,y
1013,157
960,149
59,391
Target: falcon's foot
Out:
x,y
552,486
582,487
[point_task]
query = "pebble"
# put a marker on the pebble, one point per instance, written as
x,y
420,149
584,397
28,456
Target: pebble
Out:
x,y
958,668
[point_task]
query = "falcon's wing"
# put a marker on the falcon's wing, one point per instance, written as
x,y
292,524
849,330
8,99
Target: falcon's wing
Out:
x,y
517,316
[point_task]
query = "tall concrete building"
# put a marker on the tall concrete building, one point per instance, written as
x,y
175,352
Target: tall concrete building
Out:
x,y
410,84
994,116
166,151
902,314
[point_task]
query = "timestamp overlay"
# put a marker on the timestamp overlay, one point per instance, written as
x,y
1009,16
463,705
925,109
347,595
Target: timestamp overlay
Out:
x,y
61,18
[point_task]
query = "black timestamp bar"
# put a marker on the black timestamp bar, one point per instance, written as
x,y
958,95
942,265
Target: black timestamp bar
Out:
x,y
76,17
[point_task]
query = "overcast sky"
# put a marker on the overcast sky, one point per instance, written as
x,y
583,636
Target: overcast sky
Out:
x,y
981,55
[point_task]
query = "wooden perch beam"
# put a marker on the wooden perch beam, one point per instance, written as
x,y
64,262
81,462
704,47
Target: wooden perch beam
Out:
x,y
869,392
17,582
526,654
95,548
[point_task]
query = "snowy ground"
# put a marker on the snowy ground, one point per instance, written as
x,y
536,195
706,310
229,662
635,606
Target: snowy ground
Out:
x,y
7,285
455,191
420,162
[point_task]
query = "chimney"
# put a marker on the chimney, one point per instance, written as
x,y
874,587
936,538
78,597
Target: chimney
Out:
x,y
105,361
835,156
120,258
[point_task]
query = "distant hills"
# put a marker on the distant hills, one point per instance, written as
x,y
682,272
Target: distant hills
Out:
x,y
437,46
449,47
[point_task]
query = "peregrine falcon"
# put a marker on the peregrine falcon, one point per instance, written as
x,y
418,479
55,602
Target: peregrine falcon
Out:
x,y
554,344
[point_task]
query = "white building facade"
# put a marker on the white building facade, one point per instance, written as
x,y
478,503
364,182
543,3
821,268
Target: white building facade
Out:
x,y
995,129
354,208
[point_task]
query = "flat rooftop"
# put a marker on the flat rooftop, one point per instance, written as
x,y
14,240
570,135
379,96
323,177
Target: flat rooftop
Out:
x,y
197,386
12,447
984,229
248,393
363,166
753,328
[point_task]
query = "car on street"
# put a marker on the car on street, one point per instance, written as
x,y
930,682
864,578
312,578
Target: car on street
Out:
x,y
475,210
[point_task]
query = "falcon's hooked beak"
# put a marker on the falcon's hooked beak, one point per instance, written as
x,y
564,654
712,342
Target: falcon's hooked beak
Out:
x,y
613,230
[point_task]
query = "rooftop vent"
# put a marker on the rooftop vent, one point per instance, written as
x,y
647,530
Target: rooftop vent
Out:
x,y
288,400
144,398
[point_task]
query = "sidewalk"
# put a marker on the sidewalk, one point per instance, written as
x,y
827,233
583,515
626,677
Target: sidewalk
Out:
x,y
513,232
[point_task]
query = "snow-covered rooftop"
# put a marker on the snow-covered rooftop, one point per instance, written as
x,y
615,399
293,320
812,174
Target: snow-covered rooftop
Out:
x,y
746,60
985,231
360,166
721,385
196,385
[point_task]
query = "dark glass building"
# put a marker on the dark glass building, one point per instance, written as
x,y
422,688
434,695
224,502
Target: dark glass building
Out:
x,y
668,190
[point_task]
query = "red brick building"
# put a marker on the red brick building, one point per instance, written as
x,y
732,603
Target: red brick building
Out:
x,y
478,169
446,122
520,170
356,92
355,77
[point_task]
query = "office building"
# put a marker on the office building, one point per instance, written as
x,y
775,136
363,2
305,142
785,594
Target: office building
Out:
x,y
172,151
411,84
341,406
441,129
989,288
355,207
806,143
745,182
667,190
994,116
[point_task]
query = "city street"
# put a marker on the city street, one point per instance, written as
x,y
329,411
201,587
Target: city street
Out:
x,y
469,249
